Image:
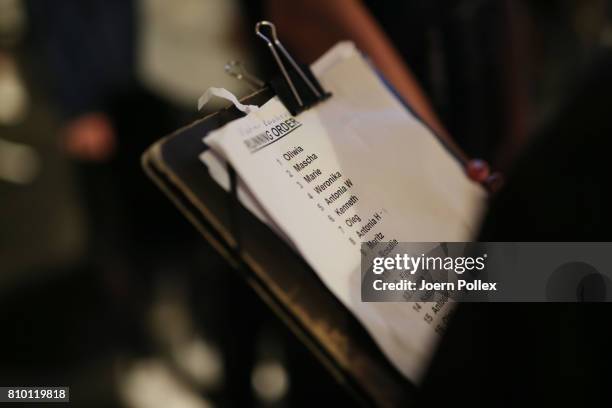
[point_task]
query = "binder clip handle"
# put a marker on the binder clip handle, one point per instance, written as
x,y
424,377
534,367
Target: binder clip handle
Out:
x,y
305,93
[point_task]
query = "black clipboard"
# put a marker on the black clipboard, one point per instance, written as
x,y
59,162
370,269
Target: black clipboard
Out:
x,y
299,298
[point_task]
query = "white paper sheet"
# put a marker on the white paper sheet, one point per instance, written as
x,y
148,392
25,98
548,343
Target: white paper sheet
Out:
x,y
359,167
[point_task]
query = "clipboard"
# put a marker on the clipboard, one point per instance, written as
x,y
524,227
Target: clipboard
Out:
x,y
299,299
330,331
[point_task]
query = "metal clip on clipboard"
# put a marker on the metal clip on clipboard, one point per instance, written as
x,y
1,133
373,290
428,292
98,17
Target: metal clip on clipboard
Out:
x,y
298,88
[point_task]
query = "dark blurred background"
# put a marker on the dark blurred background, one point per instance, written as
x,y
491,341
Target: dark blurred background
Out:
x,y
103,285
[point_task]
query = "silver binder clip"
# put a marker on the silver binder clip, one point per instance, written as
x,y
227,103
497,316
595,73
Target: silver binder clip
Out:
x,y
236,69
273,44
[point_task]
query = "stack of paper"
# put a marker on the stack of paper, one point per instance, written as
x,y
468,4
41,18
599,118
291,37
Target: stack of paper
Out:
x,y
357,168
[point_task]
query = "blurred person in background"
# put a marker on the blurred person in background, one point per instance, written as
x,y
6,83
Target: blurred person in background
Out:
x,y
124,74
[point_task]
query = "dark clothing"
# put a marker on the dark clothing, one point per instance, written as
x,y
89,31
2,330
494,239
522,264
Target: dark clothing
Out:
x,y
560,190
520,354
89,47
90,50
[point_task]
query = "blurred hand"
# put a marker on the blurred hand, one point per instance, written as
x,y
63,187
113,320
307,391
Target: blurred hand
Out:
x,y
479,171
89,137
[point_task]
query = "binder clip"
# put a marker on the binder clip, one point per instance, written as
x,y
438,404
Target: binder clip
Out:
x,y
298,88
